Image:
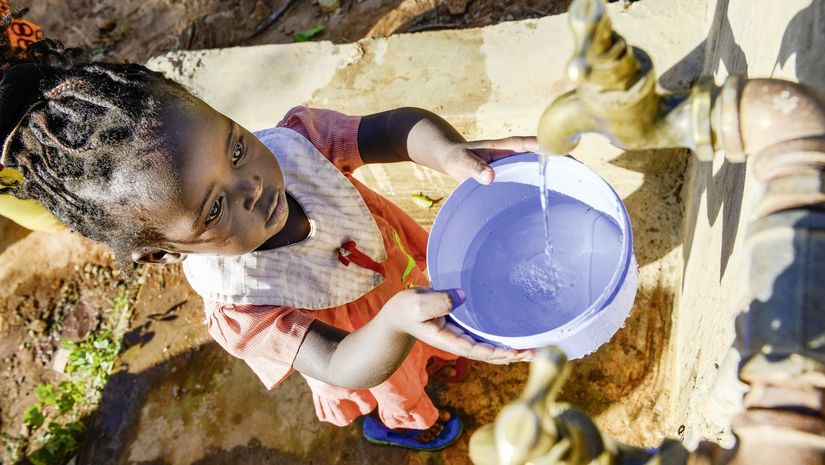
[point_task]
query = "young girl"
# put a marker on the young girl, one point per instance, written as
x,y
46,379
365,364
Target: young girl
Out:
x,y
301,266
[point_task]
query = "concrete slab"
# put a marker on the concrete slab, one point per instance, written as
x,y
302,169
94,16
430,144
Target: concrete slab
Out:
x,y
755,39
184,401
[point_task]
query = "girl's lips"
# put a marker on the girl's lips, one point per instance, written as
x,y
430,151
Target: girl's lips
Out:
x,y
279,211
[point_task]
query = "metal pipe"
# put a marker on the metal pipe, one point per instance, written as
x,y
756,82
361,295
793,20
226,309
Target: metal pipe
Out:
x,y
779,126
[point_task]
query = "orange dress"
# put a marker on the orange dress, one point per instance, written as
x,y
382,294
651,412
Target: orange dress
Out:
x,y
267,337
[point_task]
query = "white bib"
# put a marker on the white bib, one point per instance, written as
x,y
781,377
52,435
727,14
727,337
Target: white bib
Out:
x,y
307,274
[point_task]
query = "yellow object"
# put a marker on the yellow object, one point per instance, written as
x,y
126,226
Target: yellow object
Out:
x,y
27,213
422,200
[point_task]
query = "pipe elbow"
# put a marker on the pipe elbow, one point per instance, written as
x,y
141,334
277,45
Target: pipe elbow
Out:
x,y
563,123
772,111
780,126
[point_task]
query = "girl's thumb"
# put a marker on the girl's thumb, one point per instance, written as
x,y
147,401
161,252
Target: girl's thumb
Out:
x,y
485,175
457,296
434,304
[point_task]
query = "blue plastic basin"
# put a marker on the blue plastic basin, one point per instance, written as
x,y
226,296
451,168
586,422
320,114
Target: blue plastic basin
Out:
x,y
489,241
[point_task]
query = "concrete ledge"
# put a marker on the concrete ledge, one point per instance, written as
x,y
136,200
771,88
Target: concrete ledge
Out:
x,y
490,83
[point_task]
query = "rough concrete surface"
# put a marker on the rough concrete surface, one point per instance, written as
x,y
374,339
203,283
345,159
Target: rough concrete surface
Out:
x,y
201,406
181,400
756,39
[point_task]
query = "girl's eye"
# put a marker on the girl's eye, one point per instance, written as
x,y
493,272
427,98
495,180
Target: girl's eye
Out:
x,y
215,212
238,154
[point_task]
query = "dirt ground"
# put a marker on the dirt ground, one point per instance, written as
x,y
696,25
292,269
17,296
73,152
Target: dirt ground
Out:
x,y
58,286
139,29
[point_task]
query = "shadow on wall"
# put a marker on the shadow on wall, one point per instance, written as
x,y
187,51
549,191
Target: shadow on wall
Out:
x,y
805,30
662,194
724,189
657,206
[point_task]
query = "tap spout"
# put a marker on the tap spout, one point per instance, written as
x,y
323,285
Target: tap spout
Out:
x,y
563,123
616,95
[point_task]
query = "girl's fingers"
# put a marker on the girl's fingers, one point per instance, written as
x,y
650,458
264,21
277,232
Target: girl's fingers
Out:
x,y
436,331
498,355
476,156
470,165
464,345
491,150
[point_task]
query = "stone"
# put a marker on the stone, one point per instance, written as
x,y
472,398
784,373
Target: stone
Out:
x,y
456,7
60,360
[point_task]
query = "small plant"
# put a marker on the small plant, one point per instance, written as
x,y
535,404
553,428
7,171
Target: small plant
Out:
x,y
59,443
57,415
304,36
93,358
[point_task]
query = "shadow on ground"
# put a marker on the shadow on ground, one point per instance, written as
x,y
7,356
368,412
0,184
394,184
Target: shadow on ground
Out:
x,y
205,407
10,233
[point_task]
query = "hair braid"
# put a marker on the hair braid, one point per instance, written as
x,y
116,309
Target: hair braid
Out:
x,y
84,134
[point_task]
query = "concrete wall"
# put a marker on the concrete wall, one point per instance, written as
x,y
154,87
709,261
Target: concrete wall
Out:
x,y
491,83
655,377
756,38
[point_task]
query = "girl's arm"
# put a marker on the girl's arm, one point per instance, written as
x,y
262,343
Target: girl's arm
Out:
x,y
413,134
368,356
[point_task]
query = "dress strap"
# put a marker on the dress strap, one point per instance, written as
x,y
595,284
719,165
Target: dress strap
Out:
x,y
349,253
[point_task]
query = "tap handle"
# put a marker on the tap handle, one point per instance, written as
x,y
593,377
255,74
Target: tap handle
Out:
x,y
592,34
526,428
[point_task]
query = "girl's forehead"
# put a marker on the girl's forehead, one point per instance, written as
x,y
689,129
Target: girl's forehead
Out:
x,y
159,200
198,154
189,126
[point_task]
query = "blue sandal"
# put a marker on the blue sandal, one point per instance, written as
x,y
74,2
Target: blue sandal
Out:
x,y
376,433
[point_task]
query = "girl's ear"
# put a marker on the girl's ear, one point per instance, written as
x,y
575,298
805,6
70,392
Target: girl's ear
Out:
x,y
162,257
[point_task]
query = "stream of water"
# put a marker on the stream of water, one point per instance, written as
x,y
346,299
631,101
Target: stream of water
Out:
x,y
548,243
550,262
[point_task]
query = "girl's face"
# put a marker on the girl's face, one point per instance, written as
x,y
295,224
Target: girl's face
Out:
x,y
231,196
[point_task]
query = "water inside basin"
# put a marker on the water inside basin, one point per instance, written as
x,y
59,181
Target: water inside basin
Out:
x,y
489,241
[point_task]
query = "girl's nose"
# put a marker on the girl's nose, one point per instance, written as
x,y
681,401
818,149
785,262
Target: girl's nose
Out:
x,y
252,190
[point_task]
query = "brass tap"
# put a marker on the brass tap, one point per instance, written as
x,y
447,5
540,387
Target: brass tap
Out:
x,y
783,423
537,430
616,95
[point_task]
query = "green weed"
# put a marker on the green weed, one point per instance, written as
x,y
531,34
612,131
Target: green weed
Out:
x,y
304,36
55,421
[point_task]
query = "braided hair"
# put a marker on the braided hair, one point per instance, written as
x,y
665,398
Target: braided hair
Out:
x,y
87,141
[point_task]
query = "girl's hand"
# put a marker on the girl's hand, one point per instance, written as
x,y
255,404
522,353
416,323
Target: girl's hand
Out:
x,y
471,159
414,134
432,142
420,313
